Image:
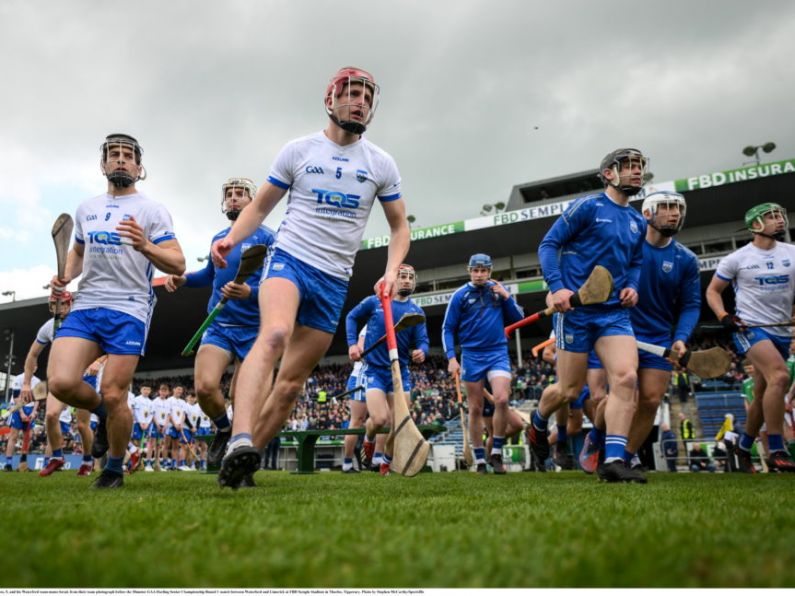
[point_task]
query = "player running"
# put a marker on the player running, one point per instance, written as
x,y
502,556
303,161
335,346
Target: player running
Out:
x,y
333,177
21,420
601,229
120,238
231,335
412,345
762,274
477,314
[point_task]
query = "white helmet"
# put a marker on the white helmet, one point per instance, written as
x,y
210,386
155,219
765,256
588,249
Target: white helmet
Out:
x,y
654,200
244,183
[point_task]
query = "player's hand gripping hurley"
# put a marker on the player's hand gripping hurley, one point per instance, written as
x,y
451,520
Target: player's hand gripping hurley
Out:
x,y
61,233
250,261
596,289
410,448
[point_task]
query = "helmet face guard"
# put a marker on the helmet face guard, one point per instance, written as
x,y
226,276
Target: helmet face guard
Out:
x,y
755,220
343,91
118,142
651,205
244,183
614,160
407,280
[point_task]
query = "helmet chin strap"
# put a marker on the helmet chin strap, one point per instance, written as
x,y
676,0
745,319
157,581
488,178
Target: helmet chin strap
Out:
x,y
779,236
350,126
120,179
665,232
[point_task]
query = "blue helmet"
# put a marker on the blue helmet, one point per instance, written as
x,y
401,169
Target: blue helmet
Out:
x,y
480,260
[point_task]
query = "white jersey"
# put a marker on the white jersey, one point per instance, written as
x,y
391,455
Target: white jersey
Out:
x,y
161,409
332,190
204,420
115,275
46,333
192,413
66,415
176,411
764,284
16,384
131,401
143,410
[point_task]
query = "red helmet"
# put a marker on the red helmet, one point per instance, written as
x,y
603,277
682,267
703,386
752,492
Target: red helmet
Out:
x,y
65,297
336,86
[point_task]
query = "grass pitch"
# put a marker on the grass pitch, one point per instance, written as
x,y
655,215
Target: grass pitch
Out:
x,y
434,530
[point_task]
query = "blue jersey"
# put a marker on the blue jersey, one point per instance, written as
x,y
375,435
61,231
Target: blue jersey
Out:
x,y
594,231
478,316
669,294
236,312
369,311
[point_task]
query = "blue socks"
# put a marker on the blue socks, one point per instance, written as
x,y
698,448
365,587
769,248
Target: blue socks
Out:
x,y
539,421
562,435
746,442
775,442
480,454
115,464
615,446
497,445
57,454
222,422
100,411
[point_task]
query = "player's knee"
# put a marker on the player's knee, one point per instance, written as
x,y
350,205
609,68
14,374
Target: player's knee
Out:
x,y
379,419
288,390
779,380
625,379
51,417
205,388
275,337
649,402
62,386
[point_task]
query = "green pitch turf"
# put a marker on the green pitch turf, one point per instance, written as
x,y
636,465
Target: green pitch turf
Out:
x,y
435,530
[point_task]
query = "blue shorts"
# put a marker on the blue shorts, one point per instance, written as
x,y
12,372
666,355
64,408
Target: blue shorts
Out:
x,y
649,360
91,381
744,340
204,431
93,425
115,332
16,419
154,433
357,380
172,432
322,296
188,436
578,330
66,428
381,378
235,340
479,366
137,432
580,401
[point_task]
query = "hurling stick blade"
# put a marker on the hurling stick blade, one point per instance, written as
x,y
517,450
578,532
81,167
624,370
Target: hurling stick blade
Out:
x,y
708,364
61,234
597,288
250,261
410,449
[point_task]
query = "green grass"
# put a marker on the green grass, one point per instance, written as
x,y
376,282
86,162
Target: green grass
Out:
x,y
435,530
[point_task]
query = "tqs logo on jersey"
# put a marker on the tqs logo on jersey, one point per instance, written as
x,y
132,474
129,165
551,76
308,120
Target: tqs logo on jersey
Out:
x,y
99,237
314,170
772,280
667,266
361,175
337,199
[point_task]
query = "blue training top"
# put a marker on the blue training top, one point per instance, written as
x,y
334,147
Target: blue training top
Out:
x,y
669,293
479,317
594,231
371,312
236,313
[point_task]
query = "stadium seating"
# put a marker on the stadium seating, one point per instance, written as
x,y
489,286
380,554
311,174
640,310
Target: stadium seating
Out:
x,y
713,406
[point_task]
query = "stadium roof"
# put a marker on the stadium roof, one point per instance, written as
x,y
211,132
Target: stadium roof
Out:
x,y
719,197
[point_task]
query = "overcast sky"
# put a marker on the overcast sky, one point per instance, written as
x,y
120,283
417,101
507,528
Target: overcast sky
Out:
x,y
476,96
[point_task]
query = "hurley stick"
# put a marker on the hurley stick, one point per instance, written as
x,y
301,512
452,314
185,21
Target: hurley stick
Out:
x,y
61,233
250,261
596,289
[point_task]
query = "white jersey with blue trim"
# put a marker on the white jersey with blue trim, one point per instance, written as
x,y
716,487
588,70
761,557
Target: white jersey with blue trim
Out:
x,y
161,408
143,412
16,383
331,192
763,282
115,275
46,333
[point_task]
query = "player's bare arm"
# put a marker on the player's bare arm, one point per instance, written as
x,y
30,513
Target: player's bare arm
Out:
x,y
166,256
399,241
31,364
